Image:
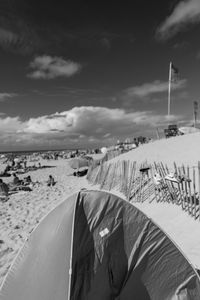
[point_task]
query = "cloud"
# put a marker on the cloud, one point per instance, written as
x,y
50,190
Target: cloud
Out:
x,y
80,125
47,67
26,30
154,87
16,42
88,121
7,37
185,12
107,135
5,96
46,124
10,125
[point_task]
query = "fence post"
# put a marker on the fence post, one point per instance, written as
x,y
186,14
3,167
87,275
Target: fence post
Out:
x,y
154,184
122,173
118,175
182,189
169,184
113,174
199,186
165,186
194,189
186,191
105,175
100,173
179,189
132,176
126,178
160,193
189,189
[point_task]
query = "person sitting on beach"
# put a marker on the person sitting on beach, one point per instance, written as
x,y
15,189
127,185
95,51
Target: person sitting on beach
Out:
x,y
4,189
25,164
51,181
16,180
19,166
82,173
19,185
27,180
5,172
7,169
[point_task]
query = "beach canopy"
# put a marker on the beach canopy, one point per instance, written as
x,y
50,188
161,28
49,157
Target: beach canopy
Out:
x,y
96,246
78,162
187,130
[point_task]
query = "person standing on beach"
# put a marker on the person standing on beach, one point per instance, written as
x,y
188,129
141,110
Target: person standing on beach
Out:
x,y
25,164
51,181
4,189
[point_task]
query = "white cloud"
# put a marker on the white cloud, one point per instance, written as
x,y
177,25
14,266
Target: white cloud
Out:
x,y
57,122
154,87
88,121
47,67
10,124
4,96
184,12
7,37
107,135
79,124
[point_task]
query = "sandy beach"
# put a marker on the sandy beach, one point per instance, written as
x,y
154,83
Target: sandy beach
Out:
x,y
24,210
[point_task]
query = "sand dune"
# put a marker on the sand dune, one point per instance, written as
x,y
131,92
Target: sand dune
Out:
x,y
181,149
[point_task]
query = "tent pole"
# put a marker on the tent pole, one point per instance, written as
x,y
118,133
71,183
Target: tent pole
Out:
x,y
71,254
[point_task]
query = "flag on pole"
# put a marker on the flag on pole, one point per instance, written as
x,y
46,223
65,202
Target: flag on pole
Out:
x,y
195,103
174,74
195,106
173,78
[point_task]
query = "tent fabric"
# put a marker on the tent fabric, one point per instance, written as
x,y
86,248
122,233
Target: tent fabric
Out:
x,y
126,256
41,269
115,252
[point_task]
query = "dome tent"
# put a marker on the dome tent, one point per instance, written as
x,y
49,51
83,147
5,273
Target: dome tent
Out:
x,y
113,251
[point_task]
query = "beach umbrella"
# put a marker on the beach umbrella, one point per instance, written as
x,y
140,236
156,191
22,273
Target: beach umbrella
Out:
x,y
97,246
78,162
104,150
133,146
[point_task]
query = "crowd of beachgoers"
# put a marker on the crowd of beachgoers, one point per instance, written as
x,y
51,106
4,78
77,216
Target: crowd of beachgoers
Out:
x,y
30,187
12,169
37,183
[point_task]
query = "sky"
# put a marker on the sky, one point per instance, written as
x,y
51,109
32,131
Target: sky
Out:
x,y
85,74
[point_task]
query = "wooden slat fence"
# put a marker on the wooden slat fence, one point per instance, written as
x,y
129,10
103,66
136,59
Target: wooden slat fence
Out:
x,y
151,182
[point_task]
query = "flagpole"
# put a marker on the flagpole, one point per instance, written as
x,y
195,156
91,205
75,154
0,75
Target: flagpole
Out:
x,y
195,106
169,88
